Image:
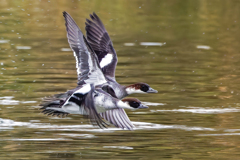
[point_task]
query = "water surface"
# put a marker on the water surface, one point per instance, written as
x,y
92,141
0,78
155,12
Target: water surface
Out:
x,y
187,50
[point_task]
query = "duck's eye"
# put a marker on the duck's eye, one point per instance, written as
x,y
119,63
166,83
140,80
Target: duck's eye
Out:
x,y
144,88
134,104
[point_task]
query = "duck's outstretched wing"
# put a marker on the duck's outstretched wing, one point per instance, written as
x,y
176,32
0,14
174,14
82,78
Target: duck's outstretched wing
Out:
x,y
102,45
118,118
87,64
91,110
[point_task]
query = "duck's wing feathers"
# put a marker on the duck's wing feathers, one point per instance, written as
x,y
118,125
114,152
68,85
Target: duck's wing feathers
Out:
x,y
51,106
81,101
118,118
102,45
84,100
65,103
92,113
87,64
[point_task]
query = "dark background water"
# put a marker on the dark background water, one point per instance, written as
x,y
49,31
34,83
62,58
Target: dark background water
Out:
x,y
191,58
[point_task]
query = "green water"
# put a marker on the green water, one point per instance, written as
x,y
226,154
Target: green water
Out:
x,y
192,58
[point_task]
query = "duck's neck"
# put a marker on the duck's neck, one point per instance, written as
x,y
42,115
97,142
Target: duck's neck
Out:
x,y
119,90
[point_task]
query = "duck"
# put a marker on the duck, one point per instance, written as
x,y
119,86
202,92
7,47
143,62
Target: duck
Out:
x,y
93,97
100,41
95,104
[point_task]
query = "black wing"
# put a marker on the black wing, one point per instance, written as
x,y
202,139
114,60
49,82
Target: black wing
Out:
x,y
87,64
102,45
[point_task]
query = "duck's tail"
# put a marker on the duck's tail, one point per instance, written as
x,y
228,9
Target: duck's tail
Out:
x,y
51,106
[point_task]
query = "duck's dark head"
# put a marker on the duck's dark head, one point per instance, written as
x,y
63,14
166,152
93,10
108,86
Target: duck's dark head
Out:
x,y
131,103
140,88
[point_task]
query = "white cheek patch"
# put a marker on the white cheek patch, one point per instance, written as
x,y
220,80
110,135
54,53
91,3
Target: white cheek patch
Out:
x,y
123,105
133,90
106,60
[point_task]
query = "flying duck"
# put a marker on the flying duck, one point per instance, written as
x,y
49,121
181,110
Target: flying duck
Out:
x,y
102,45
93,97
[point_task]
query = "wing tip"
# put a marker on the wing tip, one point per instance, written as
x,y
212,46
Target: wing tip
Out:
x,y
51,112
65,13
118,118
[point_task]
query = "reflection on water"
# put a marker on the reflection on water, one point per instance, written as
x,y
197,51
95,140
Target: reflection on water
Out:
x,y
187,50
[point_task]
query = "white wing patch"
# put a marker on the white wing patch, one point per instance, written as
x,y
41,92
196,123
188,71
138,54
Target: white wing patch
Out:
x,y
106,60
77,63
123,105
96,76
73,108
85,89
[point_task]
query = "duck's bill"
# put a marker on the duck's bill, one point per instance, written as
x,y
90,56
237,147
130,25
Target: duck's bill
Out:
x,y
150,90
142,106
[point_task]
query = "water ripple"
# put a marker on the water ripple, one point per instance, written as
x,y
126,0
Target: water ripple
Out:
x,y
118,147
9,124
153,104
37,139
203,47
222,134
8,100
145,125
152,43
202,110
